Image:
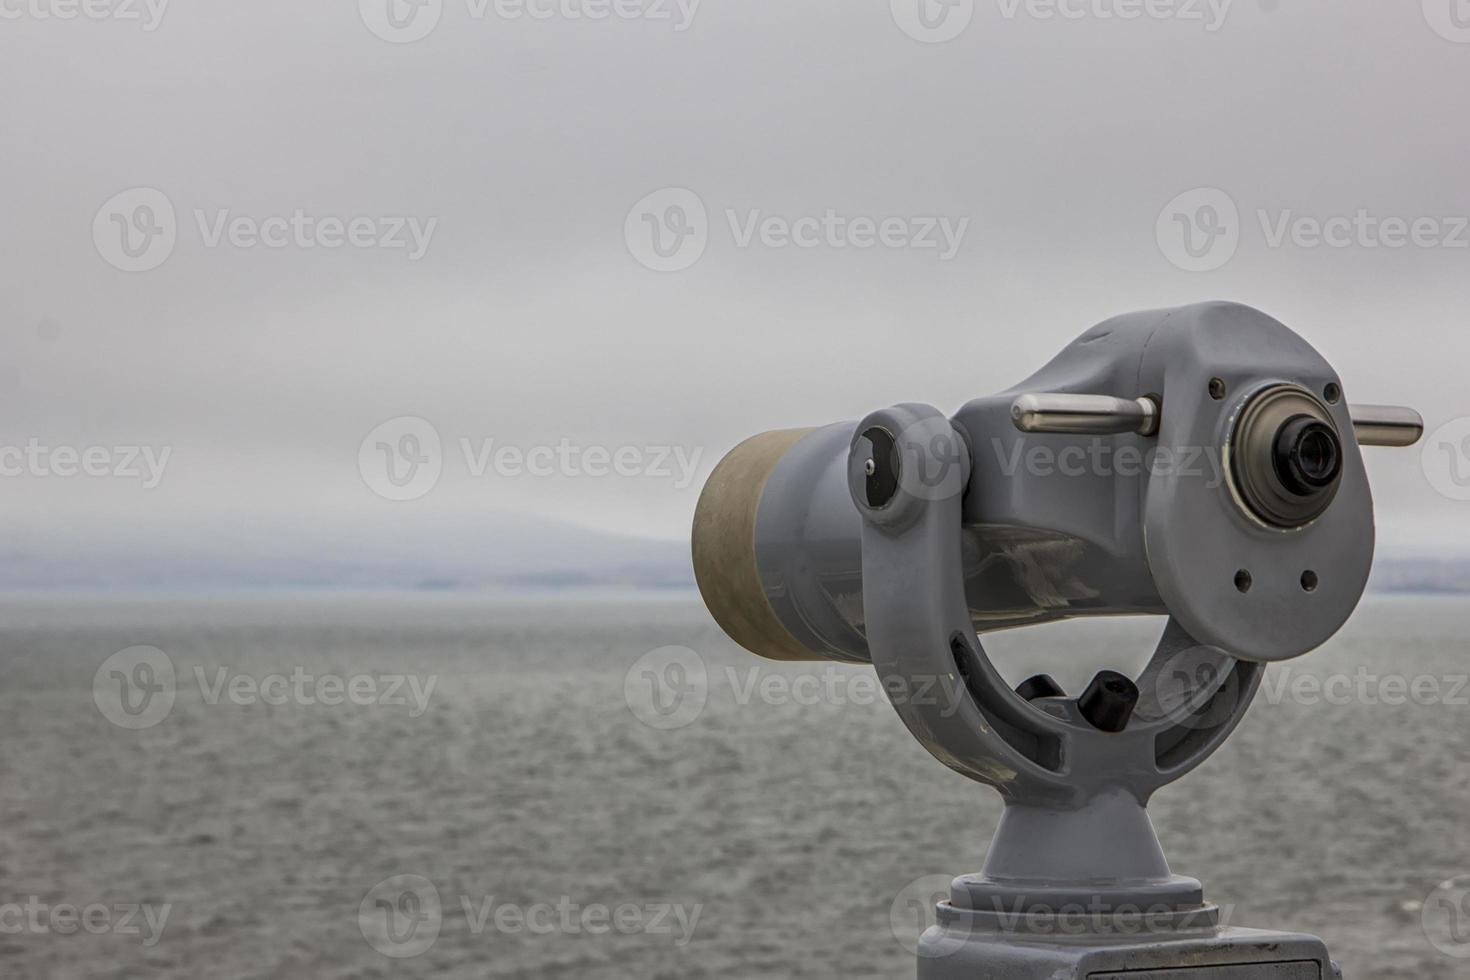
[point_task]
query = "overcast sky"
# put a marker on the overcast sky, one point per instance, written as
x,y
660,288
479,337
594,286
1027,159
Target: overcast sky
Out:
x,y
509,172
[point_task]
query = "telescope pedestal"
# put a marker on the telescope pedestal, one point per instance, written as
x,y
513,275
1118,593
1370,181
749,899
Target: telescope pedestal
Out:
x,y
1076,886
1027,949
1086,894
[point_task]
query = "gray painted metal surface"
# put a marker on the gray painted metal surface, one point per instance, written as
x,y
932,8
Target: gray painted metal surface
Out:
x,y
901,539
1064,525
961,953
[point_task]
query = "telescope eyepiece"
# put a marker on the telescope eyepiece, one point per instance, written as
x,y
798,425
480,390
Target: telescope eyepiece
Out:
x,y
1287,457
1308,455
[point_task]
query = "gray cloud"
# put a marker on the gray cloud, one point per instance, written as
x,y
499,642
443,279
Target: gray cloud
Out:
x,y
529,321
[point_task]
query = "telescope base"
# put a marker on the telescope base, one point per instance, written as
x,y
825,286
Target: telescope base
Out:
x,y
959,952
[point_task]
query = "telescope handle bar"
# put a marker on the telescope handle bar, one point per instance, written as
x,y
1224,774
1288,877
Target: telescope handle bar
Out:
x,y
1058,413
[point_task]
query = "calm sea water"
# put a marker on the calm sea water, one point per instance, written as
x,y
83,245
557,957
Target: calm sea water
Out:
x,y
522,786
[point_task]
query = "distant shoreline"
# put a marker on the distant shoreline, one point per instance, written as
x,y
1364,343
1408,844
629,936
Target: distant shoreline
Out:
x,y
581,593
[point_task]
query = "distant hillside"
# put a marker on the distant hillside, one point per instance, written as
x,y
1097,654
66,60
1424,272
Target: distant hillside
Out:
x,y
1444,576
497,551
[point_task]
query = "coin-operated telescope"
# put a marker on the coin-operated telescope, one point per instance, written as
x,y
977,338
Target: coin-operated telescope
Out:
x,y
1200,463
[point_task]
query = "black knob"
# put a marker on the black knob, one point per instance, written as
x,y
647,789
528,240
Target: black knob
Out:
x,y
882,467
1108,702
1040,686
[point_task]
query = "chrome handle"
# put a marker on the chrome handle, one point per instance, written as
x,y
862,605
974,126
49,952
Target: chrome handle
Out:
x,y
1374,425
1085,414
1386,425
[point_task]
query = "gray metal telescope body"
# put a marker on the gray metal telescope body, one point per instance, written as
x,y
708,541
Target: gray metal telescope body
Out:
x,y
1056,526
899,539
